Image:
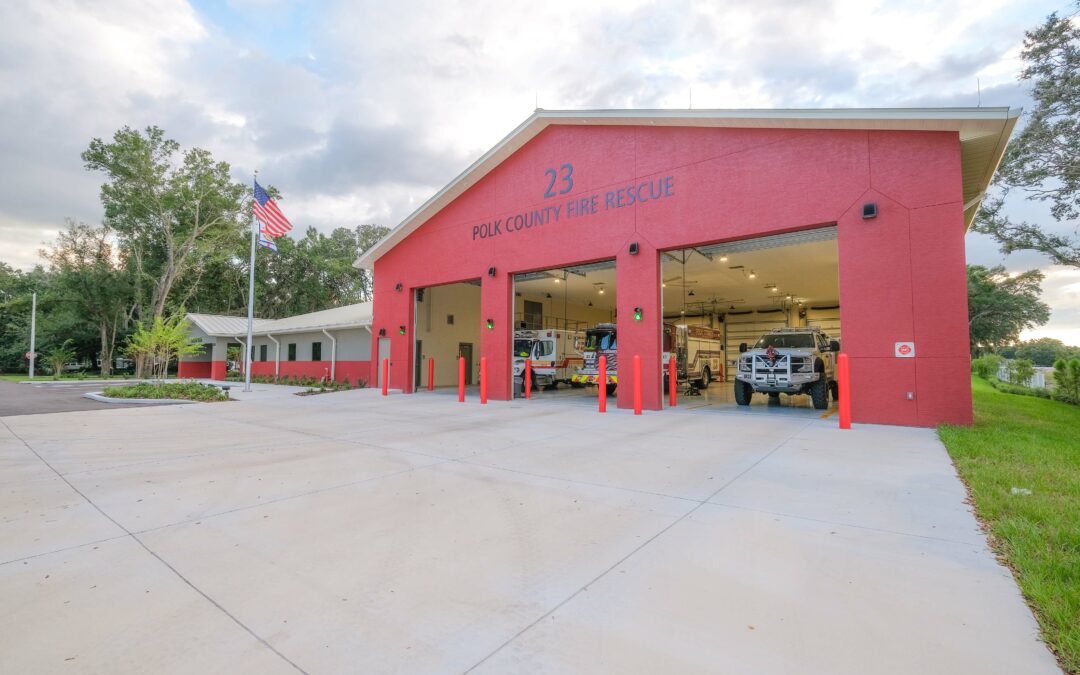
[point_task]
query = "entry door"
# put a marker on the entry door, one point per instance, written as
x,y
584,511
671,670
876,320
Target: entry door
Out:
x,y
384,353
465,349
418,364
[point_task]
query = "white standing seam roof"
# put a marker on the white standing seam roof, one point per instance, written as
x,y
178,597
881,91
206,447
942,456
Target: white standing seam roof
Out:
x,y
984,133
349,316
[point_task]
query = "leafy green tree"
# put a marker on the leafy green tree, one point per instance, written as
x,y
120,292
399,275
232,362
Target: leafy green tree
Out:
x,y
1001,305
1043,160
1067,380
156,344
59,357
89,281
1021,371
1042,351
166,210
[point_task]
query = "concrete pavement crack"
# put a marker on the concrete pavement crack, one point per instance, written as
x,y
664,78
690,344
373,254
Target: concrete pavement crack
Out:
x,y
634,551
153,553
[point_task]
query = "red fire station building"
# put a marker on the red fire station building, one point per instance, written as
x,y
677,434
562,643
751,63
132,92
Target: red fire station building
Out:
x,y
744,220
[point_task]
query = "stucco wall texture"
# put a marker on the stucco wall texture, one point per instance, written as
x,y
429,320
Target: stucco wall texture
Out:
x,y
902,275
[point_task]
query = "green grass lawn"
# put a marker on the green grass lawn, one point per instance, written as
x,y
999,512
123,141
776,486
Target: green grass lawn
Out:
x,y
1034,444
19,377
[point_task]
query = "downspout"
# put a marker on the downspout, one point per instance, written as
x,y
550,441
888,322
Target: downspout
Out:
x,y
277,356
333,355
244,354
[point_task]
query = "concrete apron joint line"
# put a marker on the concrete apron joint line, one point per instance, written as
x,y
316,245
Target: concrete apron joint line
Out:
x,y
146,548
639,547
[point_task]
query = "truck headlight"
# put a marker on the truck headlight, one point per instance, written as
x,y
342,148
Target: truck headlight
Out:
x,y
744,365
806,365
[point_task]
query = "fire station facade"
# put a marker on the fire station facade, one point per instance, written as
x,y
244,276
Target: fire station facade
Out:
x,y
900,187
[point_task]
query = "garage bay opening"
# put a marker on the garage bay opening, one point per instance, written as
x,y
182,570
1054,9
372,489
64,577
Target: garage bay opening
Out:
x,y
447,326
564,320
753,323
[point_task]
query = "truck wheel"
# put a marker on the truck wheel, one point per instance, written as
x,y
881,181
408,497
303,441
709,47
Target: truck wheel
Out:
x,y
743,392
706,377
576,385
611,389
819,393
834,390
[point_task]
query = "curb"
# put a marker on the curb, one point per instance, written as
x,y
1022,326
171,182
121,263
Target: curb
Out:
x,y
101,398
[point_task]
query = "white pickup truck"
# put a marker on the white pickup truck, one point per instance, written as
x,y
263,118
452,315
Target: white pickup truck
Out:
x,y
788,361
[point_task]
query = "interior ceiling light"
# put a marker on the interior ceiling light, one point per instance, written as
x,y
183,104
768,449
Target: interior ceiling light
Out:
x,y
557,279
663,285
691,293
775,289
549,296
601,291
753,275
723,258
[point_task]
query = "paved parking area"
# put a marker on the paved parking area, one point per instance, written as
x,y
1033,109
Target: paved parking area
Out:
x,y
48,396
351,533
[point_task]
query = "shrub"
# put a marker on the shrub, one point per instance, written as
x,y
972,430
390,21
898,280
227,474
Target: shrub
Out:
x,y
987,366
59,357
1067,380
1021,371
189,391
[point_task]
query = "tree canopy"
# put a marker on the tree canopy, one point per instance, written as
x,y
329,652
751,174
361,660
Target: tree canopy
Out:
x,y
1001,305
1042,162
175,238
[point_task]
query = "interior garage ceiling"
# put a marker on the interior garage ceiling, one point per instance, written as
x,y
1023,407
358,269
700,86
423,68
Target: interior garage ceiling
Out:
x,y
802,265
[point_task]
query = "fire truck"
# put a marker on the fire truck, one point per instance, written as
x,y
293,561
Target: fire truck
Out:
x,y
600,340
699,353
554,355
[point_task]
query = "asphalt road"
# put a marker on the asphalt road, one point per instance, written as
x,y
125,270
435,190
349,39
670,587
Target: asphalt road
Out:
x,y
49,397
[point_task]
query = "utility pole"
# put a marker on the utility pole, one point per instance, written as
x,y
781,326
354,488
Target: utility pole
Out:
x,y
33,332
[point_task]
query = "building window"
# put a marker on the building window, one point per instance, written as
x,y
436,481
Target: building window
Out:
x,y
292,351
316,351
262,352
252,352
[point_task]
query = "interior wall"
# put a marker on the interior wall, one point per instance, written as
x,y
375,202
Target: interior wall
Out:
x,y
554,307
440,339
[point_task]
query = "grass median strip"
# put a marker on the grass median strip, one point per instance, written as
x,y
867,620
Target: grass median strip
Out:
x,y
1021,462
187,391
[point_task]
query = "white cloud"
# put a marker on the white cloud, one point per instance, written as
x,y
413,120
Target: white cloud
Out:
x,y
359,111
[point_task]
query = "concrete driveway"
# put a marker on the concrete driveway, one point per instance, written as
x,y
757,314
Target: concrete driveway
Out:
x,y
350,533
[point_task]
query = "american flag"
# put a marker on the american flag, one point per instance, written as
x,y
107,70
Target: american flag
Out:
x,y
274,222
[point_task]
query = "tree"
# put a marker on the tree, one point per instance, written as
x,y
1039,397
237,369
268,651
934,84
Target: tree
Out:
x,y
59,357
156,344
89,280
1042,351
1001,305
1043,160
1021,371
165,212
1067,380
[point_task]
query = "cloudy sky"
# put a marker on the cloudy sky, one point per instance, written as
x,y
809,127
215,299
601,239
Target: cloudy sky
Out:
x,y
359,111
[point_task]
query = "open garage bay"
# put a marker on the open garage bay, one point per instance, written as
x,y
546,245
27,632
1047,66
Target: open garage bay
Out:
x,y
353,533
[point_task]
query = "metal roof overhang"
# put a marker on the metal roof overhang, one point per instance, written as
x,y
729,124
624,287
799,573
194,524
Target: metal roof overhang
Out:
x,y
984,133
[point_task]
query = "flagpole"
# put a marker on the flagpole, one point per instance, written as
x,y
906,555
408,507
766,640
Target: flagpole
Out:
x,y
251,292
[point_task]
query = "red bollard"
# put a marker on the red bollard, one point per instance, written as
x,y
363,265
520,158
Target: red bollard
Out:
x,y
431,374
385,376
483,379
637,384
528,378
843,386
461,379
602,379
672,377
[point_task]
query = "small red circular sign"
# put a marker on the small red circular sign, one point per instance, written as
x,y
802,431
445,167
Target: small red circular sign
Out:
x,y
904,349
